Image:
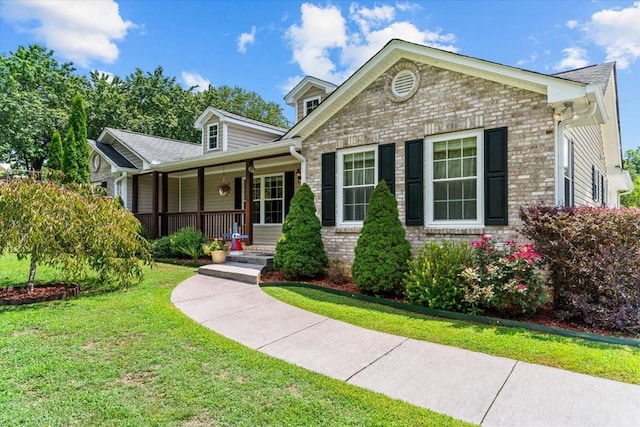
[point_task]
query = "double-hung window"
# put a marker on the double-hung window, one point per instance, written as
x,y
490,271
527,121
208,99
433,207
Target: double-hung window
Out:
x,y
311,104
357,177
268,199
455,186
212,136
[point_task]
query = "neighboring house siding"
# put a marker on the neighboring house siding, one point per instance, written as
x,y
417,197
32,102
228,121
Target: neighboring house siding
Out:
x,y
135,160
311,93
446,102
588,152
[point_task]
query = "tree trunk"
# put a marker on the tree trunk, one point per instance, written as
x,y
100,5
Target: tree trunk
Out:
x,y
32,275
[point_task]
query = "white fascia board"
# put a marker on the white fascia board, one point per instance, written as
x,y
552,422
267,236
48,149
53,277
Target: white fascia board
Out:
x,y
556,89
249,153
204,116
304,84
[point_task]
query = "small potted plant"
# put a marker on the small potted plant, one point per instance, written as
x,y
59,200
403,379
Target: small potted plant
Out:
x,y
218,249
224,188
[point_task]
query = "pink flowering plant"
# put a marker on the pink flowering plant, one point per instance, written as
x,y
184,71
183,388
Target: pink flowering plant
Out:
x,y
504,278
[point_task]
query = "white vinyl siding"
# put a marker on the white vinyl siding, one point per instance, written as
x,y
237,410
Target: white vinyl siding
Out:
x,y
454,179
241,137
588,151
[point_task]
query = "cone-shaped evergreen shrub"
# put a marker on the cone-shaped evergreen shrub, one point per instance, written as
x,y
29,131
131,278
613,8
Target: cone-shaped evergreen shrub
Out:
x,y
70,158
382,252
55,158
78,122
300,251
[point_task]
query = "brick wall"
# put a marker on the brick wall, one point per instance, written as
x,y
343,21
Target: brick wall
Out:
x,y
446,101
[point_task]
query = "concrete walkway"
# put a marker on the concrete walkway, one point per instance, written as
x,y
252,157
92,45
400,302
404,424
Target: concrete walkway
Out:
x,y
470,386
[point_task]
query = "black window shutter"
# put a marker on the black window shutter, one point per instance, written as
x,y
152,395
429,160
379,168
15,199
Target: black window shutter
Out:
x,y
495,177
387,165
594,185
237,193
414,182
288,190
329,189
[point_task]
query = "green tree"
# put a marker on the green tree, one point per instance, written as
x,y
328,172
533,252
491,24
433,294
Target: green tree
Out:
x,y
74,229
300,251
632,164
35,96
382,252
55,158
78,122
632,200
70,163
106,104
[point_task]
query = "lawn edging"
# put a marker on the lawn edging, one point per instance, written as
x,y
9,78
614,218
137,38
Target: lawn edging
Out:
x,y
464,316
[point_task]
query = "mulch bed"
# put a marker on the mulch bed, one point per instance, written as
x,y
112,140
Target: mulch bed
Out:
x,y
544,316
40,293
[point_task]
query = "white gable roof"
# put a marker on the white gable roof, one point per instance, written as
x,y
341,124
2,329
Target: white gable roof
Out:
x,y
557,90
304,85
228,117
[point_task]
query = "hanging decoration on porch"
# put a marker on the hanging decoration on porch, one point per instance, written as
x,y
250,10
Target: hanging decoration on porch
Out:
x,y
224,186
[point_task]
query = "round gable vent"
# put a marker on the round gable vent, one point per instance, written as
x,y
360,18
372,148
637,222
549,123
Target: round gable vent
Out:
x,y
403,83
403,80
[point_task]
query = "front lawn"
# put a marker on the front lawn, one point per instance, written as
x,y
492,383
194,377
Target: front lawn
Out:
x,y
621,363
132,358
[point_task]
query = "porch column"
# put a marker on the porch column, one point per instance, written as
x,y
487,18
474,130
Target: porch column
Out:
x,y
154,206
248,202
200,204
164,227
134,195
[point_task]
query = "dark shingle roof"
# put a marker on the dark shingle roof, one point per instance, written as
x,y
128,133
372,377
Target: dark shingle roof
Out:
x,y
593,74
155,148
114,156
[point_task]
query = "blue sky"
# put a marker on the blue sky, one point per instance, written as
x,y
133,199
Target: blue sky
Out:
x,y
267,46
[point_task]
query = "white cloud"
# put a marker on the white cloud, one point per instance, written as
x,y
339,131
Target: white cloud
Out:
x,y
618,32
572,24
575,57
81,31
246,39
328,46
532,58
195,80
407,6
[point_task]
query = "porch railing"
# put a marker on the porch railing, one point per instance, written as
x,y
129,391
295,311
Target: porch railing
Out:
x,y
213,223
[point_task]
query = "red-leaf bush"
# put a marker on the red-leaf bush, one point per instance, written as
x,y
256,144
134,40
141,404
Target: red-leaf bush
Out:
x,y
593,258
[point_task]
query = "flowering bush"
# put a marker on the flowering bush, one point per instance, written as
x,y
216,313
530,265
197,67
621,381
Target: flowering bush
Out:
x,y
504,278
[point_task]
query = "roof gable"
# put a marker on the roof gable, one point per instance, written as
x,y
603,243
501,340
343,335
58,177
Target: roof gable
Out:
x,y
594,74
237,119
149,148
557,90
304,85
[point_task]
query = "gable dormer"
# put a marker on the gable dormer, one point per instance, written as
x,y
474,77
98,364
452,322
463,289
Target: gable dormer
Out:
x,y
308,94
225,131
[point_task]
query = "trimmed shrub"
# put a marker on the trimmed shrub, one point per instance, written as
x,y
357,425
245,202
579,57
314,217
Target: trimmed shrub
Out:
x,y
337,273
161,247
593,257
433,279
300,252
503,278
188,241
382,252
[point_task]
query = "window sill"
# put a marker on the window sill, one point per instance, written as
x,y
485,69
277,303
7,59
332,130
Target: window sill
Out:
x,y
455,230
354,229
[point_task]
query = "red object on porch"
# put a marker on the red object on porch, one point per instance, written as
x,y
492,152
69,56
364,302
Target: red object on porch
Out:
x,y
236,245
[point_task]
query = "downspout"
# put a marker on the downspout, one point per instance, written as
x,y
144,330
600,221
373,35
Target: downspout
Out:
x,y
559,130
303,163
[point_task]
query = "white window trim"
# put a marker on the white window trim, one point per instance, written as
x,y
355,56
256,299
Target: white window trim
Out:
x,y
479,135
304,103
340,178
217,147
568,161
262,199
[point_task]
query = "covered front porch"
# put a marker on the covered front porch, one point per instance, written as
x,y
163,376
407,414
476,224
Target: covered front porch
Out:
x,y
166,201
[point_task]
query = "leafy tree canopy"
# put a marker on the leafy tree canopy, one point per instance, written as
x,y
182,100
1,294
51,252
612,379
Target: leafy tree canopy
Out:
x,y
36,94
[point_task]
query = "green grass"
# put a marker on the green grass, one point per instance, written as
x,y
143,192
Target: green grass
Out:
x,y
130,358
621,363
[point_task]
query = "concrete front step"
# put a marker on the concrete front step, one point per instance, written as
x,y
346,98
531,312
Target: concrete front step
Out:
x,y
263,259
240,272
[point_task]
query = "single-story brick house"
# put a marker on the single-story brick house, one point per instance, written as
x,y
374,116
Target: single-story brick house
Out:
x,y
462,142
